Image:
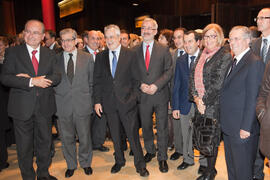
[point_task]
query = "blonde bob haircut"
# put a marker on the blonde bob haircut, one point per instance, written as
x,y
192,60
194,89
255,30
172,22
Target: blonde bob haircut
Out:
x,y
218,30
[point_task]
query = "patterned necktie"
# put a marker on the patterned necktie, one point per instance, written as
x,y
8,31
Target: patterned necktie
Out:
x,y
147,57
34,61
70,68
180,53
114,63
191,65
264,50
233,66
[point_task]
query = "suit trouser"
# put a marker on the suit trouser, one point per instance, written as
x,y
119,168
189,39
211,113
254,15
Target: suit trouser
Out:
x,y
98,130
178,137
188,153
161,111
130,123
259,165
3,149
240,155
69,127
25,137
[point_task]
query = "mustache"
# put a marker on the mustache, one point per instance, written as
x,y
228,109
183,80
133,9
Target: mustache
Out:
x,y
146,33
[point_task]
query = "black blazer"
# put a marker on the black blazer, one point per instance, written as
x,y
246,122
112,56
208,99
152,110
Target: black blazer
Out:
x,y
256,48
239,94
22,98
120,92
159,72
214,73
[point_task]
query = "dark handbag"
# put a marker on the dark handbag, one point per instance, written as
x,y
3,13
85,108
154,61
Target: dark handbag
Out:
x,y
205,134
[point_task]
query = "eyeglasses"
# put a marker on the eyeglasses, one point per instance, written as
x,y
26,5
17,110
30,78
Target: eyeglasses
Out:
x,y
149,29
261,18
234,39
210,37
67,40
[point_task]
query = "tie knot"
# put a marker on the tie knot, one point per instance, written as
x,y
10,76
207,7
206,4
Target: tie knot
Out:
x,y
34,52
70,55
192,58
180,52
265,41
113,52
147,46
95,52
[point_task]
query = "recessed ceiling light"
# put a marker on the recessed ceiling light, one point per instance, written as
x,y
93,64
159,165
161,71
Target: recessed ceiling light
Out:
x,y
135,4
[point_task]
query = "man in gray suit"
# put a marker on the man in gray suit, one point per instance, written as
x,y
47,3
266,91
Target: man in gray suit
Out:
x,y
178,38
74,102
260,47
155,69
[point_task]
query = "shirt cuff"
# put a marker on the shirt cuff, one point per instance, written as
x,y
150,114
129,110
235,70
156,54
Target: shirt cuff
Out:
x,y
30,83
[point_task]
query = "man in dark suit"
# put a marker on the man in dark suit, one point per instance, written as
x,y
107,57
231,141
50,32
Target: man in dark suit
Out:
x,y
155,68
50,41
178,38
238,104
74,102
260,47
98,124
31,72
115,95
183,109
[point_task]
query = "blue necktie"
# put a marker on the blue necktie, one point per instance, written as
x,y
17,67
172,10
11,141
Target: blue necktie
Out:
x,y
180,52
114,63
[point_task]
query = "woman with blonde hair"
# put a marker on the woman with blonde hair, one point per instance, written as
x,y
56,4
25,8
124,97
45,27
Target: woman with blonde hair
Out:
x,y
205,84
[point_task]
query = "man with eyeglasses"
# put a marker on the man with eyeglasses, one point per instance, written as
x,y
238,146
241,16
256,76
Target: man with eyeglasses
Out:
x,y
31,72
50,41
155,69
74,102
260,47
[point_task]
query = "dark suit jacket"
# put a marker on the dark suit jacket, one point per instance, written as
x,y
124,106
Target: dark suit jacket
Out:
x,y
57,48
120,92
256,48
239,94
159,72
76,97
22,98
180,100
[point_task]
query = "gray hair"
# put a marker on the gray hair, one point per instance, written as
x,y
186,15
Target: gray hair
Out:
x,y
113,26
154,22
68,30
35,20
246,31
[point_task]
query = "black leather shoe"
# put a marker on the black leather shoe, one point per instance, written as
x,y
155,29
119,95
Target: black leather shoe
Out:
x,y
143,172
163,166
257,178
6,165
116,168
101,148
69,173
201,169
208,176
47,178
131,153
175,156
88,170
148,157
184,165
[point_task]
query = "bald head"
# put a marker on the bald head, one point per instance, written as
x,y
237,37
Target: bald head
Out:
x,y
263,21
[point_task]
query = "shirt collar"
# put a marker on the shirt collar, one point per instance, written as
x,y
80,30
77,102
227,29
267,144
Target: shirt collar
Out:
x,y
30,49
52,46
239,57
117,50
91,50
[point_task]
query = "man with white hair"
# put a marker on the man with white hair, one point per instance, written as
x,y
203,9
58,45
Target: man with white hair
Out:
x,y
238,99
155,68
115,95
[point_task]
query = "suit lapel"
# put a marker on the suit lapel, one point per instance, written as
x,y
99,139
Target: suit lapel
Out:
x,y
121,60
42,61
27,61
154,55
107,61
141,57
62,69
238,67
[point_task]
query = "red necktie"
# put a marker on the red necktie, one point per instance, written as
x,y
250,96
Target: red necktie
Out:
x,y
147,57
95,53
34,61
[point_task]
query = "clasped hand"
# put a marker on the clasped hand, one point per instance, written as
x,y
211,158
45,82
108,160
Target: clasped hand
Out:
x,y
149,89
39,81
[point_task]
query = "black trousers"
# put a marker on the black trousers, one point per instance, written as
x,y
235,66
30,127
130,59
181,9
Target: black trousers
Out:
x,y
37,129
3,149
130,123
98,130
